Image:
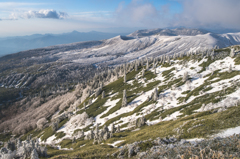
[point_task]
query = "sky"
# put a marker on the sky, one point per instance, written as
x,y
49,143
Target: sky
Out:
x,y
25,17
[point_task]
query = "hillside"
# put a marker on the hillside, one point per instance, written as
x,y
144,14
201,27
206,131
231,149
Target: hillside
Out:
x,y
149,107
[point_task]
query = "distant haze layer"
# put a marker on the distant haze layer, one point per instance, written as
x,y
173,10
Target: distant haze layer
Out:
x,y
10,45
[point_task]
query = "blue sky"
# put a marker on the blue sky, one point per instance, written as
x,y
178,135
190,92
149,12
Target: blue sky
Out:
x,y
25,17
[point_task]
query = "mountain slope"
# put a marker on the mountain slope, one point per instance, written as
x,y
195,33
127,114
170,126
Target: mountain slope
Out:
x,y
172,97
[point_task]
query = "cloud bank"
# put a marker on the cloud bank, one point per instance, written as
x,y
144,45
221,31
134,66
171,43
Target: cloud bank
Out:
x,y
195,13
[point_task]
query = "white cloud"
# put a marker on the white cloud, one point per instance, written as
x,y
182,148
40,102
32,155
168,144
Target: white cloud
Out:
x,y
45,14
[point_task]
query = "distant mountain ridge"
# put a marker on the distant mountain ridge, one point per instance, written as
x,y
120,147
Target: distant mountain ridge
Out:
x,y
20,43
168,32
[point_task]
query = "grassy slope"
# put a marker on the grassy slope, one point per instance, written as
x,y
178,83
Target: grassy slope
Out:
x,y
210,122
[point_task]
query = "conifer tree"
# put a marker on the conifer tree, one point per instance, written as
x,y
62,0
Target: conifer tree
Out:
x,y
232,54
124,100
147,65
124,78
143,72
34,154
230,69
103,94
185,77
155,94
136,66
113,128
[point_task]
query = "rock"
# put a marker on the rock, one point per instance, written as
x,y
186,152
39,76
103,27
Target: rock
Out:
x,y
183,141
194,143
141,154
171,146
3,150
121,152
172,139
165,140
130,151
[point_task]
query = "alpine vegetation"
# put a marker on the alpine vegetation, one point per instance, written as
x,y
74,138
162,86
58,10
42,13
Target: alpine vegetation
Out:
x,y
167,106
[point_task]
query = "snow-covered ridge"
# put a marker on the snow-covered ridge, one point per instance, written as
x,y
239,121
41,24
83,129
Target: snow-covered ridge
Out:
x,y
123,49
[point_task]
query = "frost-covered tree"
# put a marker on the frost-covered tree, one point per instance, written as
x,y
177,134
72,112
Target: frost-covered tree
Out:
x,y
143,72
103,94
106,136
141,121
96,129
147,65
90,101
168,59
124,78
174,56
89,136
19,143
105,129
34,154
232,53
185,77
55,125
136,66
230,69
113,129
155,94
98,91
41,122
118,129
124,100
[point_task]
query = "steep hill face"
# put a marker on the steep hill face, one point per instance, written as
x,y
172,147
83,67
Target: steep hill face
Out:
x,y
144,108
